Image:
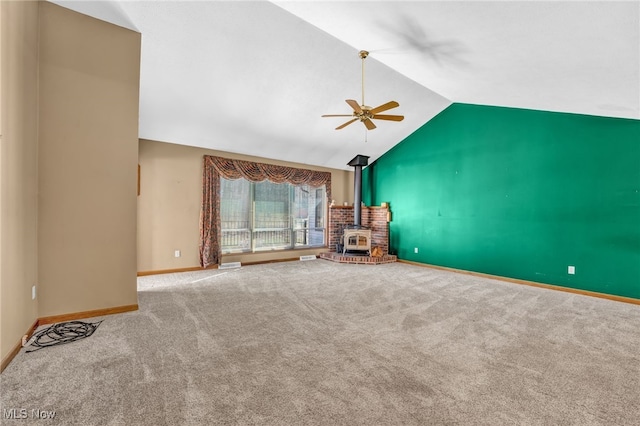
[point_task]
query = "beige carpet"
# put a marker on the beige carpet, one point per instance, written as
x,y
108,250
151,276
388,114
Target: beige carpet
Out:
x,y
320,343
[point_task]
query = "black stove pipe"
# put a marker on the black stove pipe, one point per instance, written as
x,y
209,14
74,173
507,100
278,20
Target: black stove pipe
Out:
x,y
358,162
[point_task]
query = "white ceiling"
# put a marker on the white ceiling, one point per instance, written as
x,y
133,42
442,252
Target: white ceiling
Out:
x,y
255,77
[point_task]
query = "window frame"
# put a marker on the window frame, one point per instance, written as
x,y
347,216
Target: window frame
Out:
x,y
291,234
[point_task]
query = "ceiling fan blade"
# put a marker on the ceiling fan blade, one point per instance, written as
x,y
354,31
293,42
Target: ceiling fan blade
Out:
x,y
354,104
346,124
338,115
369,124
384,107
388,117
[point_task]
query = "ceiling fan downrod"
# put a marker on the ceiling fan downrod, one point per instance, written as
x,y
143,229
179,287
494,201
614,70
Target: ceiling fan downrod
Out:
x,y
363,55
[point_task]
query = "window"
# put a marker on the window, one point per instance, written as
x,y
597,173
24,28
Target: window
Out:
x,y
270,216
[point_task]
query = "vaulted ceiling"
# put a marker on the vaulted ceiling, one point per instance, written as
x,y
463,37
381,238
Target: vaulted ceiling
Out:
x,y
255,77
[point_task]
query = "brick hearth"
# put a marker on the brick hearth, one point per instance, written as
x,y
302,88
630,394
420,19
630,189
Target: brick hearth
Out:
x,y
350,258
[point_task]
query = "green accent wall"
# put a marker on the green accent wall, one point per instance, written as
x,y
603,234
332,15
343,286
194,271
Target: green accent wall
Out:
x,y
517,193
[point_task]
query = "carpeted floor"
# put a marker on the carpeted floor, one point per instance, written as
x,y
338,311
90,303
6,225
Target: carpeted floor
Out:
x,y
321,343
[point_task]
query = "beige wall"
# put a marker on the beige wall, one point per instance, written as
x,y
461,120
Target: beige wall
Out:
x,y
18,170
88,149
169,205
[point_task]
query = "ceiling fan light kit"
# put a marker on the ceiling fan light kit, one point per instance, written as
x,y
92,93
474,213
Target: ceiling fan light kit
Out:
x,y
365,113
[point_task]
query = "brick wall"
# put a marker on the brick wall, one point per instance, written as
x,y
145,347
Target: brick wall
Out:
x,y
374,218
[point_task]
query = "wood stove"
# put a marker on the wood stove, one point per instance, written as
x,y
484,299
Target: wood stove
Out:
x,y
357,239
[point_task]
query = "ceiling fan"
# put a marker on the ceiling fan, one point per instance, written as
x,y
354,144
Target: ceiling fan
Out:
x,y
365,113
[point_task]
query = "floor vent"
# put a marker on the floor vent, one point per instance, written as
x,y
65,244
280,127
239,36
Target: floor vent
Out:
x,y
308,257
229,265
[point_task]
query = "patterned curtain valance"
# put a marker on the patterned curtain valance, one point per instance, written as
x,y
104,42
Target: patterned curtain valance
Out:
x,y
257,172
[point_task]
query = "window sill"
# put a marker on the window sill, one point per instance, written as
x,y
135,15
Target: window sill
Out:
x,y
262,252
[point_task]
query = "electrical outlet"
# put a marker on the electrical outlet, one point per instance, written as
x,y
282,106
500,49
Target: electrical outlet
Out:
x,y
33,292
571,270
415,249
176,253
